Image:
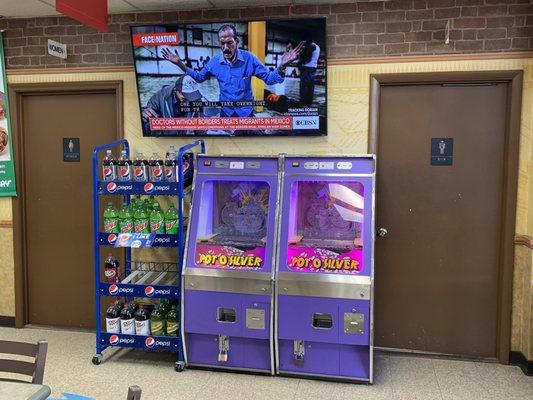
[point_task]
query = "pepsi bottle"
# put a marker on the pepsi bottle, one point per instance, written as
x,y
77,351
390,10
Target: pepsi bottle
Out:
x,y
127,320
156,168
111,270
170,166
188,168
142,322
134,306
112,319
124,167
109,167
140,168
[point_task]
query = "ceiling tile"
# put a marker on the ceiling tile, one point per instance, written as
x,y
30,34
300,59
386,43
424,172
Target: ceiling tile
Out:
x,y
26,8
248,3
151,5
120,6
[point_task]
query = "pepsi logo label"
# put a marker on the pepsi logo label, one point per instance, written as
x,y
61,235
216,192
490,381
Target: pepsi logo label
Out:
x,y
149,342
149,291
149,187
157,172
108,172
139,172
112,238
162,240
111,187
114,290
124,172
116,340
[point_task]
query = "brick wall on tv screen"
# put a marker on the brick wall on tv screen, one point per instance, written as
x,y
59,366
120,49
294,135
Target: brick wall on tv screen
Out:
x,y
362,29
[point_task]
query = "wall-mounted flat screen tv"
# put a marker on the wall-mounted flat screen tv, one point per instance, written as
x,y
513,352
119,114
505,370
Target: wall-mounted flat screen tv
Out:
x,y
235,78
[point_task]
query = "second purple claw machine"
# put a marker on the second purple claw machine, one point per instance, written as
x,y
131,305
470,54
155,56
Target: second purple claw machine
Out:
x,y
228,276
325,268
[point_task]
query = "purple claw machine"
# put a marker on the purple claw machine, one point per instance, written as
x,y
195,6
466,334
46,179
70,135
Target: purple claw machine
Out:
x,y
325,267
228,276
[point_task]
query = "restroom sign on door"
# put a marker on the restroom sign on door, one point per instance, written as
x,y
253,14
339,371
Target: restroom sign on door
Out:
x,y
441,151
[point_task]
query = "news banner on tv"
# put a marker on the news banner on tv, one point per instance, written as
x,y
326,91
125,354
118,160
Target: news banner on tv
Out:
x,y
215,79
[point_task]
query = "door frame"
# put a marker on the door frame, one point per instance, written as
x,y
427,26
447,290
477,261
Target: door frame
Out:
x,y
513,79
16,94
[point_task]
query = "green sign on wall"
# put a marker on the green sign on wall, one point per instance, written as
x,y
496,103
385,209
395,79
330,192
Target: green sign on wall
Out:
x,y
7,170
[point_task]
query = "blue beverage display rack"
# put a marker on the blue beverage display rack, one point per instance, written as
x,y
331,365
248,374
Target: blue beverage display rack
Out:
x,y
127,288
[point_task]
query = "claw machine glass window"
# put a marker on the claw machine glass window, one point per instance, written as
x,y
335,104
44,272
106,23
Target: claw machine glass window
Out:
x,y
325,227
232,225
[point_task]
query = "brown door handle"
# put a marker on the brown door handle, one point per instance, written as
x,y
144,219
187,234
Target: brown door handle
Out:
x,y
382,232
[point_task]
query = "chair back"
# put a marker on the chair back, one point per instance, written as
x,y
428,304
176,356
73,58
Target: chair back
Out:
x,y
33,369
134,393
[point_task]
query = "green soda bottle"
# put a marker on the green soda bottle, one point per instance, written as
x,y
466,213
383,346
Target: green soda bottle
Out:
x,y
165,305
125,219
157,221
157,321
147,205
171,220
111,219
172,321
141,223
133,204
154,202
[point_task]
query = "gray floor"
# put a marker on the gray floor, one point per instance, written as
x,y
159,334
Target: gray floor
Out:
x,y
69,368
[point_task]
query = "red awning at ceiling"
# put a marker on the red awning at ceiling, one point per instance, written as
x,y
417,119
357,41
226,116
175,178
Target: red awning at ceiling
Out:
x,y
92,13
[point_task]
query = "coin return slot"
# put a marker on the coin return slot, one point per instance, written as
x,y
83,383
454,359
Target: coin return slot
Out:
x,y
322,321
226,314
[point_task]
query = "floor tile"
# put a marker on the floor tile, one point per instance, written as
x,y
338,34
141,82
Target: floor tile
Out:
x,y
396,377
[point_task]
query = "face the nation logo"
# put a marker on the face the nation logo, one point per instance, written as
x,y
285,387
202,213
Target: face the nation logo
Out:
x,y
113,340
149,342
149,187
113,290
149,291
111,187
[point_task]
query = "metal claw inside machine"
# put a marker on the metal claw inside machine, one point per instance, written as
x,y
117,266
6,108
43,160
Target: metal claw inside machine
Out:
x,y
325,267
228,276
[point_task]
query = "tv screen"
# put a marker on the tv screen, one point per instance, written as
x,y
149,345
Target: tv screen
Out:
x,y
249,78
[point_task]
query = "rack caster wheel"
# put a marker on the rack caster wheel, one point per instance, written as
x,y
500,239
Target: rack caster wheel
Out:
x,y
179,366
97,360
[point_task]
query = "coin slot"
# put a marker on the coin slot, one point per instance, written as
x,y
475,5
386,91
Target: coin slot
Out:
x,y
226,315
322,321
